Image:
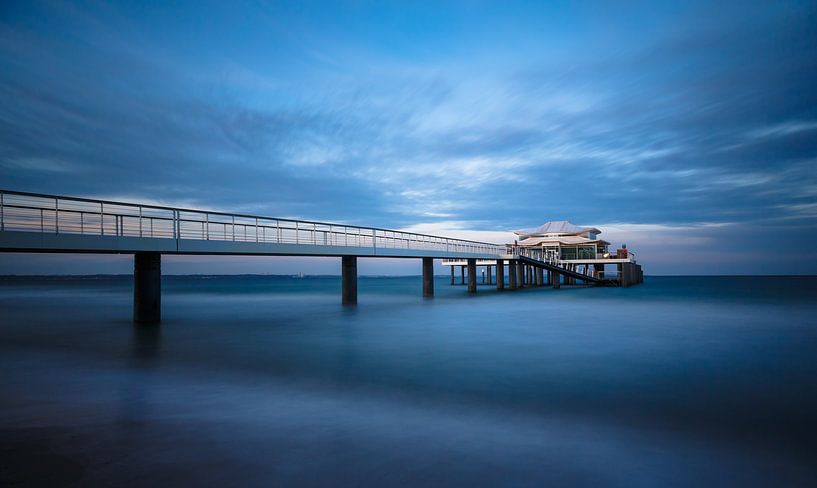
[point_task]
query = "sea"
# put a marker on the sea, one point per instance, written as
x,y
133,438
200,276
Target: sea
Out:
x,y
270,381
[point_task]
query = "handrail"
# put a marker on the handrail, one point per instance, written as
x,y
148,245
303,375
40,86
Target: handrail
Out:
x,y
24,211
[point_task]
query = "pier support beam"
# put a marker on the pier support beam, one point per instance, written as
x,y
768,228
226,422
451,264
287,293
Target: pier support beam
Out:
x,y
513,283
462,275
472,275
147,287
557,277
349,279
540,277
630,274
452,274
520,274
488,273
599,270
428,277
500,274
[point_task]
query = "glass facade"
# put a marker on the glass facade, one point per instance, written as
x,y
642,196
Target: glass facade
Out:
x,y
587,252
569,253
580,252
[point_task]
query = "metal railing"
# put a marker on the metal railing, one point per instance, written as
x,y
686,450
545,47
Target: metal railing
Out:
x,y
33,212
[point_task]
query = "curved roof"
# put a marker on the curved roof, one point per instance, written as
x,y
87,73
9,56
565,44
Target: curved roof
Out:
x,y
568,240
557,227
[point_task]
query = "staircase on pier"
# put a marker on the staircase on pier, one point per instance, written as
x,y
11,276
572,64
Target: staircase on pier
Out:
x,y
551,262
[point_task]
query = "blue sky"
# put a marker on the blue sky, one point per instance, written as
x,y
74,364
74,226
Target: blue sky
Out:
x,y
685,129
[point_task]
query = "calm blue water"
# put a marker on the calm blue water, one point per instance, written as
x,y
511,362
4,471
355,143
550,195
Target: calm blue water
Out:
x,y
269,381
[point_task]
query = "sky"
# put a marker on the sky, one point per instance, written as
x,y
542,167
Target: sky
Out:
x,y
687,130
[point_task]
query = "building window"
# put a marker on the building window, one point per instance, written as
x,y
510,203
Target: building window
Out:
x,y
587,252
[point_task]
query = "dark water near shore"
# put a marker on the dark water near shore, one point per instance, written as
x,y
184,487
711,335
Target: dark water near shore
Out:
x,y
269,381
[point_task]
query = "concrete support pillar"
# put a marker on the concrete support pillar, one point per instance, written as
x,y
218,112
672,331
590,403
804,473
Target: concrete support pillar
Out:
x,y
472,275
488,273
599,270
627,274
540,279
520,274
452,274
428,277
462,275
512,281
500,274
349,279
147,287
557,277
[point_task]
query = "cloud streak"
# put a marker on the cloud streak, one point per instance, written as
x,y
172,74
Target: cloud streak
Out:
x,y
696,116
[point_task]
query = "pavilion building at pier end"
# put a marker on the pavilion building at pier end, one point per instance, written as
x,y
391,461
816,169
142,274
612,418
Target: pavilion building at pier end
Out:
x,y
553,253
565,241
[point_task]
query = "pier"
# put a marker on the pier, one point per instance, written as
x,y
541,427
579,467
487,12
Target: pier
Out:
x,y
39,223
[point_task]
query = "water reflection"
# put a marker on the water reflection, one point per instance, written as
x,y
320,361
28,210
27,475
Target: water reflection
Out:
x,y
146,341
137,383
672,383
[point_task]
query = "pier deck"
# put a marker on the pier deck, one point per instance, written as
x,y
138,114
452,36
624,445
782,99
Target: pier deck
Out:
x,y
39,223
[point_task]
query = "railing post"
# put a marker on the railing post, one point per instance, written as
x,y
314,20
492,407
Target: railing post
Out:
x,y
101,219
140,221
297,237
42,228
82,223
56,215
256,229
233,227
207,226
2,213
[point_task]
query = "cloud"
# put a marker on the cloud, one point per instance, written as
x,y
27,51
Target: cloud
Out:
x,y
704,115
39,165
